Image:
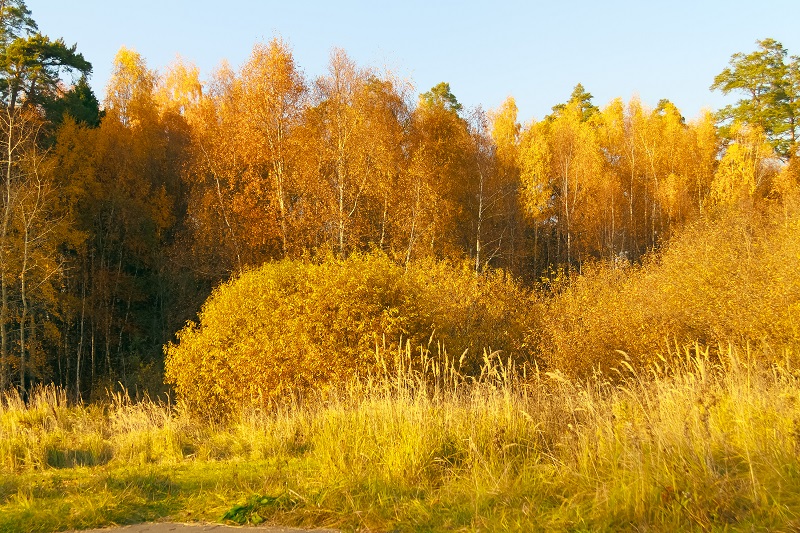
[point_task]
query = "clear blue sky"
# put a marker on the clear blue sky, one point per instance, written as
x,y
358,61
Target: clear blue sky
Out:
x,y
535,51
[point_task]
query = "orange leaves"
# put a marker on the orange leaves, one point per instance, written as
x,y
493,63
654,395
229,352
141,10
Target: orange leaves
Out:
x,y
276,167
243,173
180,90
561,165
268,99
535,161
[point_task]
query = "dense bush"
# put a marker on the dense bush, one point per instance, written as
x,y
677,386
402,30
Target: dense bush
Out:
x,y
291,326
733,279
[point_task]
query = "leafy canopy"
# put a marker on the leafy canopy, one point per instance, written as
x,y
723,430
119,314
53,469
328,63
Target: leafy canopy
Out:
x,y
769,82
581,99
31,69
441,96
15,21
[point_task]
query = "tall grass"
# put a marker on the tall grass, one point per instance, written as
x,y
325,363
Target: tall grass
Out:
x,y
696,441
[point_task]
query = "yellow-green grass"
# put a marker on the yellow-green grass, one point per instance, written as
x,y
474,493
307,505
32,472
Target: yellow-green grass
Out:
x,y
699,443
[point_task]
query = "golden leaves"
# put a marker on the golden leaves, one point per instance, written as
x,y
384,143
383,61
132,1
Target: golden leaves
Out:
x,y
294,326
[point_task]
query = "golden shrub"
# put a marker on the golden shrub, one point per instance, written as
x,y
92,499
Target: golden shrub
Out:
x,y
734,279
291,326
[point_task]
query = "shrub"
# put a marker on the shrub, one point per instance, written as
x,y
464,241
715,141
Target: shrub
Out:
x,y
292,326
730,280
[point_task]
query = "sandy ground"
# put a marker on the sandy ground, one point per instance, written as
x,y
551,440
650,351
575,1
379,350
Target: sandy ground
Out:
x,y
166,527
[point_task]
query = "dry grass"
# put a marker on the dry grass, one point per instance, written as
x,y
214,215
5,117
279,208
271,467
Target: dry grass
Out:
x,y
696,443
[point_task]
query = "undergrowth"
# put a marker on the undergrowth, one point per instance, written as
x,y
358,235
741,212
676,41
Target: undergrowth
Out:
x,y
734,279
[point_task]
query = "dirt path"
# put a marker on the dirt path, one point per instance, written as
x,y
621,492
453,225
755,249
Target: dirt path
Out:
x,y
167,527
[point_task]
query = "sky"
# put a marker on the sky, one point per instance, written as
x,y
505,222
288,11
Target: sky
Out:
x,y
534,51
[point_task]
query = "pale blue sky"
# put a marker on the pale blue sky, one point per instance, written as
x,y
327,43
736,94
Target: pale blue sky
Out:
x,y
535,51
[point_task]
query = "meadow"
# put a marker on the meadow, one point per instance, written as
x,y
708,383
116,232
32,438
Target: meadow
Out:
x,y
707,439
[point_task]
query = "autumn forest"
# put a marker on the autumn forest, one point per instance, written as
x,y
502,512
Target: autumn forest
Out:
x,y
122,212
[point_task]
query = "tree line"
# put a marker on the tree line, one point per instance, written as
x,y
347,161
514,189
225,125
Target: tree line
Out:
x,y
118,219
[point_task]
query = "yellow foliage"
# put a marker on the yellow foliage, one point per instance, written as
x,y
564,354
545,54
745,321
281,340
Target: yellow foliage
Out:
x,y
786,184
733,280
294,326
744,167
129,94
180,88
535,159
505,131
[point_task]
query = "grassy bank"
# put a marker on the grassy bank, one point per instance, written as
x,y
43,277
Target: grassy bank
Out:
x,y
699,443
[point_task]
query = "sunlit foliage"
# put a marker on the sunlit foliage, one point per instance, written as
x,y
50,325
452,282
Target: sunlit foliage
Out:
x,y
731,280
294,326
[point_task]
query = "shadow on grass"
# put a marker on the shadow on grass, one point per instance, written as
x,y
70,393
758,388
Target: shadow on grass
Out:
x,y
92,497
58,458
